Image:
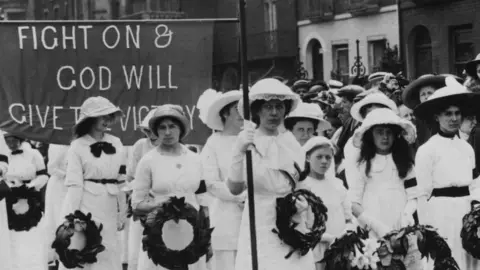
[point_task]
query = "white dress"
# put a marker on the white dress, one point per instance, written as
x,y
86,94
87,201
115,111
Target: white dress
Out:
x,y
28,248
101,200
5,256
166,176
226,211
442,163
55,193
334,196
273,154
140,148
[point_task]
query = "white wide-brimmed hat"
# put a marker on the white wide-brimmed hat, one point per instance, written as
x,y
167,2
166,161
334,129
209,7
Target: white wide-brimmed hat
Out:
x,y
268,89
373,98
212,116
95,107
172,111
144,125
204,102
316,141
384,116
309,111
453,93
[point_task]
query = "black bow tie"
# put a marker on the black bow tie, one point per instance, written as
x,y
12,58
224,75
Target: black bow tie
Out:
x,y
98,147
16,152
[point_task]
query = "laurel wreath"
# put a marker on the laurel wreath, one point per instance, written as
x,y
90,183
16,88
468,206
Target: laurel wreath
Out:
x,y
286,231
470,232
153,243
31,218
73,258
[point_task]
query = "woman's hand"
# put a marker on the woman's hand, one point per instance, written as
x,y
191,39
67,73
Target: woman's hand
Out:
x,y
246,136
301,204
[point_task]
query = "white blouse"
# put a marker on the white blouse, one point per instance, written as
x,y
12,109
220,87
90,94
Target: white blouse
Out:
x,y
57,160
446,162
139,149
27,166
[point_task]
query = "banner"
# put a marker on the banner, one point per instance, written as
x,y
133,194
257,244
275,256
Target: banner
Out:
x,y
49,69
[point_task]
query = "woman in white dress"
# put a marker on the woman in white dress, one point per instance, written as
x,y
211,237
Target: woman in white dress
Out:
x,y
168,170
26,168
55,194
226,211
5,257
445,168
276,156
140,148
95,171
384,192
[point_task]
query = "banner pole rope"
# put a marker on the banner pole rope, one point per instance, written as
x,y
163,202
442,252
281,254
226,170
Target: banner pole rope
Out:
x,y
246,112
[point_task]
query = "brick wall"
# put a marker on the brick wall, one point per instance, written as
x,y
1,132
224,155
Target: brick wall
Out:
x,y
438,19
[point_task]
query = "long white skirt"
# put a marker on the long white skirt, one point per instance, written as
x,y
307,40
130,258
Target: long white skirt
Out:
x,y
5,254
134,243
446,213
54,196
28,249
224,259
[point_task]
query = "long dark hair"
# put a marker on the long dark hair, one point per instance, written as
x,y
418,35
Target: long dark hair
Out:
x,y
401,151
84,127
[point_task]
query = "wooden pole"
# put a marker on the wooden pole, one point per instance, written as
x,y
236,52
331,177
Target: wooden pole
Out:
x,y
246,113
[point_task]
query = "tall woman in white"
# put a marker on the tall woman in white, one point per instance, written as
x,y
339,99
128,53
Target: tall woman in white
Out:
x,y
26,167
274,159
445,168
95,168
140,148
226,212
170,169
5,257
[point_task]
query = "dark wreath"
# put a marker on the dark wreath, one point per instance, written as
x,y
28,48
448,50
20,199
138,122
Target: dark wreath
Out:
x,y
73,258
31,218
470,232
286,231
176,209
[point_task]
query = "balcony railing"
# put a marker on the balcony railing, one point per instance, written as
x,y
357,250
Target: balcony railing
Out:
x,y
363,7
156,15
320,11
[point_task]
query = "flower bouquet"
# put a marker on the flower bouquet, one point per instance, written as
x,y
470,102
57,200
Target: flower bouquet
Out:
x,y
471,232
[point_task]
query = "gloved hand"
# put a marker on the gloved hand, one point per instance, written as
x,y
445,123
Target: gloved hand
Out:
x,y
246,136
407,216
301,219
376,226
350,227
38,183
301,204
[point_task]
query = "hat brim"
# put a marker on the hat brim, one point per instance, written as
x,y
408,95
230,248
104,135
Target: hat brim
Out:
x,y
321,123
183,120
409,131
348,93
471,68
115,110
357,107
429,108
411,94
213,119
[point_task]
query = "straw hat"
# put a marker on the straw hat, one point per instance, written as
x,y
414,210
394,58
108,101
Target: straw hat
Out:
x,y
144,125
98,106
373,98
377,76
452,93
300,84
411,94
350,91
212,117
316,141
384,116
471,67
309,111
268,89
172,111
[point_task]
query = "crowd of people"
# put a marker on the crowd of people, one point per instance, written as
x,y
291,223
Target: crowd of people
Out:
x,y
381,155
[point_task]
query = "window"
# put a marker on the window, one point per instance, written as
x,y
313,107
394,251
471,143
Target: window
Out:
x,y
463,47
270,15
376,49
422,51
340,61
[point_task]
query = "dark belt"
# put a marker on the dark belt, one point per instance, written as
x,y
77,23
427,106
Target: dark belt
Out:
x,y
105,181
451,192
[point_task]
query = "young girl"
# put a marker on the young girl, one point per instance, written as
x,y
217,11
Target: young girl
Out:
x,y
319,156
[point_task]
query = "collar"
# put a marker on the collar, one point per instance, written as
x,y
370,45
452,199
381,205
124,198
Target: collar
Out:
x,y
448,135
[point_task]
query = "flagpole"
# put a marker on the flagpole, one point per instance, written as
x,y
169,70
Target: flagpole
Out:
x,y
246,113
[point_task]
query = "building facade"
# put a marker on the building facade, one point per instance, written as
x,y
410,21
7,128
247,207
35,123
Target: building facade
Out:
x,y
440,36
15,10
328,31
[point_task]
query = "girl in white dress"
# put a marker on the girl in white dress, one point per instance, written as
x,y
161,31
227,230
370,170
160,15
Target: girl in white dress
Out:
x,y
274,157
445,169
95,172
319,158
384,193
226,210
26,167
140,148
55,194
5,257
168,170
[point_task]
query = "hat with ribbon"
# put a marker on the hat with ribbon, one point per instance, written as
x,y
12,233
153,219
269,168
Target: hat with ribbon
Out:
x,y
98,106
144,125
212,117
373,98
318,141
169,111
270,89
350,91
384,116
